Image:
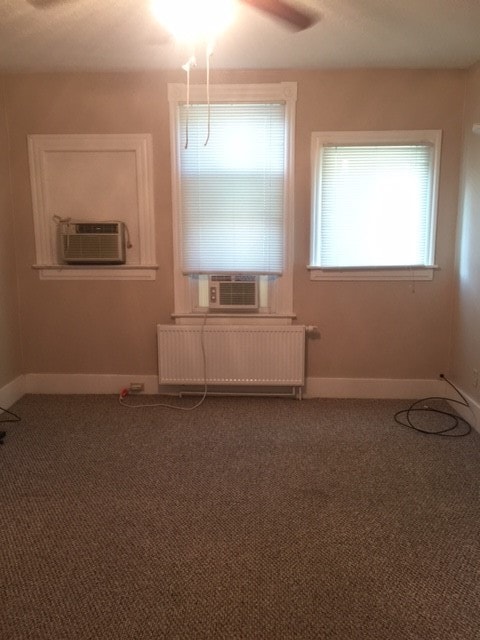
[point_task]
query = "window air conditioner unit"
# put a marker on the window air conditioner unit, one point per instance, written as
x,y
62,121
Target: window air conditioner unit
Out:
x,y
233,292
101,242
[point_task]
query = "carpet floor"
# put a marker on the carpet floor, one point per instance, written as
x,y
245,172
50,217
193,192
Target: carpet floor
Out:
x,y
245,519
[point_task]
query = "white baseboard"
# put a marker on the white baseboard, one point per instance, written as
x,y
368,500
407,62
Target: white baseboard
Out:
x,y
85,383
373,388
367,388
11,392
471,414
50,383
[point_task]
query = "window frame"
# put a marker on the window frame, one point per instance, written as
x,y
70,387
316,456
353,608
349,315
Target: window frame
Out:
x,y
319,139
138,145
280,289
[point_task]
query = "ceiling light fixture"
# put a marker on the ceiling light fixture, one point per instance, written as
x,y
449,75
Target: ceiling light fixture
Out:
x,y
194,21
201,22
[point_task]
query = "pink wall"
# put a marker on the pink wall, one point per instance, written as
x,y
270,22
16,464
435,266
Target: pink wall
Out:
x,y
466,336
10,352
371,329
375,329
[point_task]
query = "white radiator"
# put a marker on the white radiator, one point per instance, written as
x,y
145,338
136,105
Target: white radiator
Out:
x,y
234,355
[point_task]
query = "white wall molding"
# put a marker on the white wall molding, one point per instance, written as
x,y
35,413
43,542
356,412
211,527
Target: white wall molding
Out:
x,y
77,272
11,392
63,383
402,389
395,389
86,383
471,414
280,298
61,165
366,388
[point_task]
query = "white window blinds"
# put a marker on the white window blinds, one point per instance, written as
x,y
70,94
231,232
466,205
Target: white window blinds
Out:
x,y
374,205
232,188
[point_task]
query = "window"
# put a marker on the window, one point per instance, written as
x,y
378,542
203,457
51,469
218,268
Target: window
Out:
x,y
374,204
232,187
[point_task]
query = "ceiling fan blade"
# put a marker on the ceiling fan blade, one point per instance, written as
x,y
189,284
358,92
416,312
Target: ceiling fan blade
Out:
x,y
295,18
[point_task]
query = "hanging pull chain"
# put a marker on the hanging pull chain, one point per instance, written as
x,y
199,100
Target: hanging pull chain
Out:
x,y
209,51
186,67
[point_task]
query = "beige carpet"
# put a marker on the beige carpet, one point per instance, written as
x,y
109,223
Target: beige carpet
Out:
x,y
244,519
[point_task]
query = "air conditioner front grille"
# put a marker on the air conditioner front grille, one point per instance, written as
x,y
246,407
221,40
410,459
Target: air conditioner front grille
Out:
x,y
233,292
93,247
100,242
238,294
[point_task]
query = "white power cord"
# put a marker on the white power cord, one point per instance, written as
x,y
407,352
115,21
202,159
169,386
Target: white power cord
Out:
x,y
124,392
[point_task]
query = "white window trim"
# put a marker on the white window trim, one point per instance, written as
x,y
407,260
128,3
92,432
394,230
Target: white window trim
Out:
x,y
281,295
45,240
410,272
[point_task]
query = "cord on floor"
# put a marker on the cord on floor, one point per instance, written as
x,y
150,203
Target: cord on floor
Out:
x,y
14,418
457,428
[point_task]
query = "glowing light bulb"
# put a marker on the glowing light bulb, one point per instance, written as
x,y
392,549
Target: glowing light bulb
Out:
x,y
194,20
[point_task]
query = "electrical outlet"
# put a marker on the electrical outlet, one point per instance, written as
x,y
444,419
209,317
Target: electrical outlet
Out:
x,y
136,387
475,378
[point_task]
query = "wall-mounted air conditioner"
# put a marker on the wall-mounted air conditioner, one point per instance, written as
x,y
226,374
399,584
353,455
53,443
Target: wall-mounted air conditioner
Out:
x,y
233,292
101,242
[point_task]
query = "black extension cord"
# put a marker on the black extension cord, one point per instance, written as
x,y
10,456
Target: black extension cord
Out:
x,y
405,417
14,418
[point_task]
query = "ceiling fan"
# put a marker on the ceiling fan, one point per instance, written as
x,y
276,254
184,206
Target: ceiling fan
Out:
x,y
296,17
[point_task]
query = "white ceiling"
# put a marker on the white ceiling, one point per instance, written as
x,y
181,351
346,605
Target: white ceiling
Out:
x,y
122,35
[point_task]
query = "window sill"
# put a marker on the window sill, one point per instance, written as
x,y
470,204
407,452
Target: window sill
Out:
x,y
97,272
391,274
233,318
